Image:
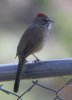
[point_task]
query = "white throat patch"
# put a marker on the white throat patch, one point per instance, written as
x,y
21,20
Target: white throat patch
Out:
x,y
50,26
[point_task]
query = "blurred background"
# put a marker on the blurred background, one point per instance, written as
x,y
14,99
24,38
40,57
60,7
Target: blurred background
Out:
x,y
15,17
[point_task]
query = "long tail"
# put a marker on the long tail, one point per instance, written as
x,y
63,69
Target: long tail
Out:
x,y
18,74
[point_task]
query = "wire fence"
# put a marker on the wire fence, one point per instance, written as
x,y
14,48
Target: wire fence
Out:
x,y
64,62
36,83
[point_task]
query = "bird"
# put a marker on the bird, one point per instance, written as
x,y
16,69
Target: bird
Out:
x,y
31,42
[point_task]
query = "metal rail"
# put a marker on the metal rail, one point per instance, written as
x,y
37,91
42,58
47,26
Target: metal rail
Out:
x,y
42,69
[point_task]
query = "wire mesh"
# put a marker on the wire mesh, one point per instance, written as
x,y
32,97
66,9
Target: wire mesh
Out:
x,y
37,83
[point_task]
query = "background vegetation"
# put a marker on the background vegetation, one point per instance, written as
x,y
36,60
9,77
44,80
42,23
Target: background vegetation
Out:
x,y
15,17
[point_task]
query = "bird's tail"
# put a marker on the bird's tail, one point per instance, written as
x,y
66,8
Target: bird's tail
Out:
x,y
18,74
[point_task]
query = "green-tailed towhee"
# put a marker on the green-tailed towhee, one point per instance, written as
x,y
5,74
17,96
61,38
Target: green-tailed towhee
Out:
x,y
31,41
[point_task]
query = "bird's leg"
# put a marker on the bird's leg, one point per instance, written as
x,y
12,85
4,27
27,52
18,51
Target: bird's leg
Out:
x,y
37,59
26,61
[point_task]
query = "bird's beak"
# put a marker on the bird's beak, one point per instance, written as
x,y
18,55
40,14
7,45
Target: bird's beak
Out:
x,y
51,21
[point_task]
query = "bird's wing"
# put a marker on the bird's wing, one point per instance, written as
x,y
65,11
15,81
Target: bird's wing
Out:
x,y
29,41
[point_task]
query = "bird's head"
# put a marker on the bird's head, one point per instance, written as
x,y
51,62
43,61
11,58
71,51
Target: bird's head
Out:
x,y
42,19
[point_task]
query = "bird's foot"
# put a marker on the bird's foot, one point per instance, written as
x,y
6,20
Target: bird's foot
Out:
x,y
26,61
37,59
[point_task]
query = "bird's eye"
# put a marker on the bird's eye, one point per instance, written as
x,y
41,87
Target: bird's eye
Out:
x,y
45,20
